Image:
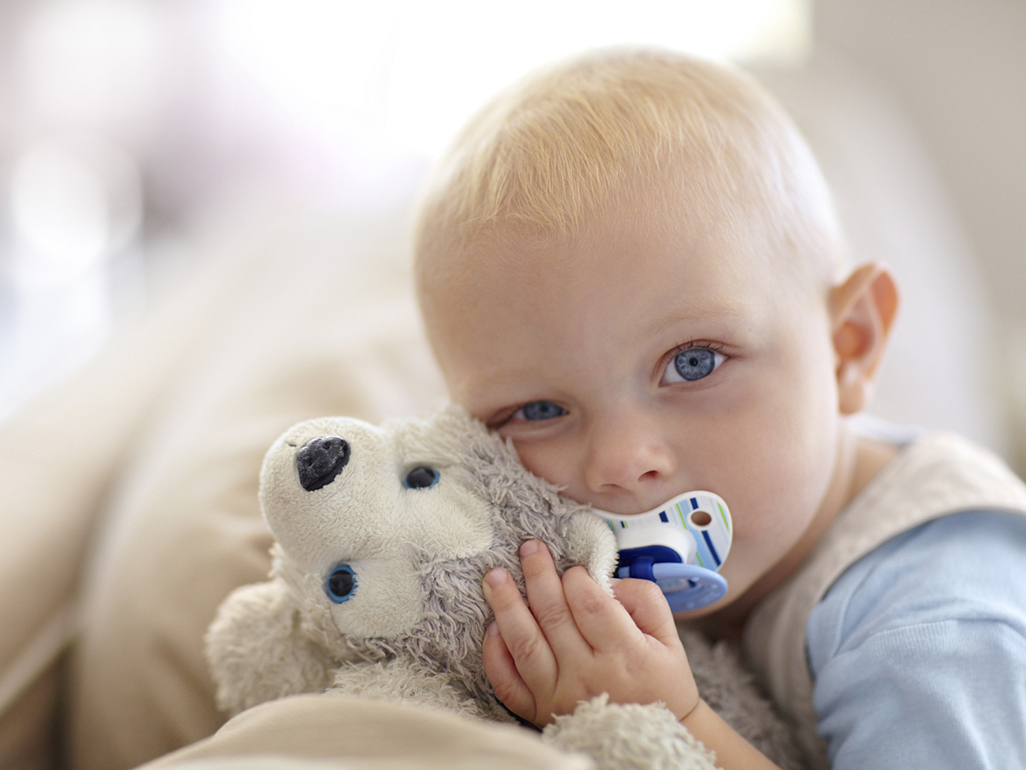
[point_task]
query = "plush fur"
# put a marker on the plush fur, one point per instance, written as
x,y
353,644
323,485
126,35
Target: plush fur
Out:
x,y
413,627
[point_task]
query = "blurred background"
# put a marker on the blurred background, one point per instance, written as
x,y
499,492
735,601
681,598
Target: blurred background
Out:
x,y
132,130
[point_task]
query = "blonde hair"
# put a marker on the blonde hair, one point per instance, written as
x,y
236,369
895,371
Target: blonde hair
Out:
x,y
542,156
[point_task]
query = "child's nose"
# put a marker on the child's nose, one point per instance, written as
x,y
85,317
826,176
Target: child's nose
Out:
x,y
627,453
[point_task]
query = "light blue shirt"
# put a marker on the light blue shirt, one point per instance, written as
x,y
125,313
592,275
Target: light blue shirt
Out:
x,y
918,651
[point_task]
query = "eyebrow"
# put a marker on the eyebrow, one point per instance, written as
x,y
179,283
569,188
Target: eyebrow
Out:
x,y
486,384
727,316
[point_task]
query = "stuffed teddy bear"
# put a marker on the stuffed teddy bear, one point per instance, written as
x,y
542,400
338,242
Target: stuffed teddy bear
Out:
x,y
384,535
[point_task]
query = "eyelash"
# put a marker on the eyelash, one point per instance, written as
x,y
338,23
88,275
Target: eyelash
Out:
x,y
715,347
504,417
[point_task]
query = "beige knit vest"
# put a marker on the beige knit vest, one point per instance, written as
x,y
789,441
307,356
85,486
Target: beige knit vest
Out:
x,y
936,475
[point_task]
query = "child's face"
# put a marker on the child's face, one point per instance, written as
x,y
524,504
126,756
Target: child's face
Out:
x,y
649,358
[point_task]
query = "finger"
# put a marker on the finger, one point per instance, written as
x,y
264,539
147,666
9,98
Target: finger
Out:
x,y
502,673
521,634
648,608
547,601
603,622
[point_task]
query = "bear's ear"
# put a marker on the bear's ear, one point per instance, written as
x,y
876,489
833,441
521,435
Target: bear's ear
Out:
x,y
258,651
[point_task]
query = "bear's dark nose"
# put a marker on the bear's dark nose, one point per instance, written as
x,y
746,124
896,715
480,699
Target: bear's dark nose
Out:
x,y
320,460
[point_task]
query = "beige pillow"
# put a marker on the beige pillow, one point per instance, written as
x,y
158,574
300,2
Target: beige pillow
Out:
x,y
185,528
129,492
59,455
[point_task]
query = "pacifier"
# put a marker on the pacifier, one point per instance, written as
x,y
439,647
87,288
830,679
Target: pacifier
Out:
x,y
680,545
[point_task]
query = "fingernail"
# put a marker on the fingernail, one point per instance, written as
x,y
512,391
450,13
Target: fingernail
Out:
x,y
495,578
531,546
493,629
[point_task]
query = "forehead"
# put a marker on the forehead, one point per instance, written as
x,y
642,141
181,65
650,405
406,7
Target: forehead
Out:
x,y
628,275
625,257
694,209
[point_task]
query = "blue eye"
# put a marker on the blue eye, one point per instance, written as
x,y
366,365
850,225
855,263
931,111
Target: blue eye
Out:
x,y
341,584
540,410
421,477
692,364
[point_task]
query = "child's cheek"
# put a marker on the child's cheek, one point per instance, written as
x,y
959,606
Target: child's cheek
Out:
x,y
544,459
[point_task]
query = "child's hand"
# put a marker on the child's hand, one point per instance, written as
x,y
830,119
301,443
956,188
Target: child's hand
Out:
x,y
576,642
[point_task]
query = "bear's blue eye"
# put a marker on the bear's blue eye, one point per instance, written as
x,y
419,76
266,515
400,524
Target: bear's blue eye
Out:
x,y
421,477
341,584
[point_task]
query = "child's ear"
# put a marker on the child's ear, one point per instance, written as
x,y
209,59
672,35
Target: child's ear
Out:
x,y
862,310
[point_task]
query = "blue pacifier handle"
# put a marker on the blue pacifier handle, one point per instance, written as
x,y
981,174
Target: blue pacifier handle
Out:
x,y
685,586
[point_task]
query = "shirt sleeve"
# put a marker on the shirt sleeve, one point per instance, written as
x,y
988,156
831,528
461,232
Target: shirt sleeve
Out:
x,y
918,651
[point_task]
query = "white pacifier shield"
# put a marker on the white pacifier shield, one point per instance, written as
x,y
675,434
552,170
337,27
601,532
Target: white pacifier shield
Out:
x,y
680,545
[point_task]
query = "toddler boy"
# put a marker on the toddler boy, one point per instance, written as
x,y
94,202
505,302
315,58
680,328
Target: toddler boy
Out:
x,y
630,267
